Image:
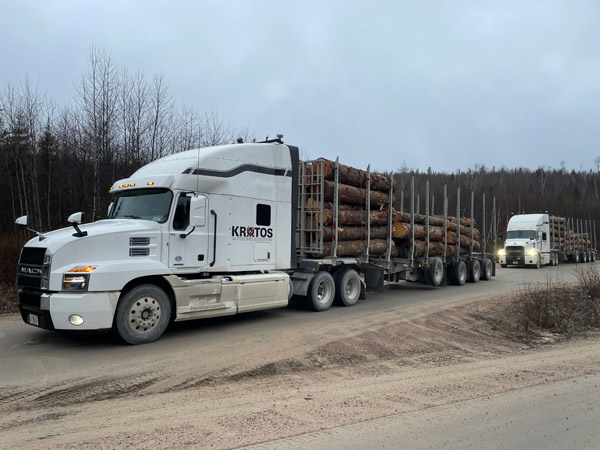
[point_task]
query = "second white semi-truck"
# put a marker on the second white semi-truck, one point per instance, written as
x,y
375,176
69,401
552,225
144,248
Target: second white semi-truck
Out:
x,y
213,232
541,239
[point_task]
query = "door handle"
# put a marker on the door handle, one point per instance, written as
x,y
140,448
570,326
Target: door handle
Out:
x,y
212,211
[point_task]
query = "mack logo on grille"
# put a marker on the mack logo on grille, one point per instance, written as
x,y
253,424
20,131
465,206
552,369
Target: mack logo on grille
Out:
x,y
30,270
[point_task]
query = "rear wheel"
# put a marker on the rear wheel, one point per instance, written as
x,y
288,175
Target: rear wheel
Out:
x,y
347,287
143,314
459,273
435,272
487,269
474,271
321,291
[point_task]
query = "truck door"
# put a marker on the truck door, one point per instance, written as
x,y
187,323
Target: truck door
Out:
x,y
188,245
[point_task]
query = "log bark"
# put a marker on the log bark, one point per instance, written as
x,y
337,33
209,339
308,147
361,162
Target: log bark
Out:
x,y
401,230
355,195
435,249
355,177
349,217
354,233
378,247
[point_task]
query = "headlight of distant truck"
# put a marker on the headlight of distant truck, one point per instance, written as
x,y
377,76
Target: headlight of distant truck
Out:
x,y
501,252
77,279
531,252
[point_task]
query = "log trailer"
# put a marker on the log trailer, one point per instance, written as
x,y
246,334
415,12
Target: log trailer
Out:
x,y
536,240
219,231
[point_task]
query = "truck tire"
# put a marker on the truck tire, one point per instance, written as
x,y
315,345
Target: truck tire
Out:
x,y
487,269
435,272
593,256
321,291
474,271
347,287
143,314
291,289
458,273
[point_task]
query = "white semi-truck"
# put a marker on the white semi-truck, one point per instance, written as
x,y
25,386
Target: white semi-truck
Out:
x,y
541,239
205,233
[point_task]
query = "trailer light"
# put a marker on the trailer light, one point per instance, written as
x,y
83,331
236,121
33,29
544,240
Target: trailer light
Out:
x,y
76,319
501,252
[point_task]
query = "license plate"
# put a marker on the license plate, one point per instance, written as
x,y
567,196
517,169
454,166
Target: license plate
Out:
x,y
515,262
34,320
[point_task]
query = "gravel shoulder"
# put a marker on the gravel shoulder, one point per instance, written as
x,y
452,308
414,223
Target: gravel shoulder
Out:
x,y
357,369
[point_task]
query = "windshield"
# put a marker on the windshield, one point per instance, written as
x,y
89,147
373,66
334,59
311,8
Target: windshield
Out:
x,y
521,234
145,204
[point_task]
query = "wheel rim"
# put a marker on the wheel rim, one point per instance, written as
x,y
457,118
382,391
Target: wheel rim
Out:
x,y
462,272
144,314
438,272
323,292
351,289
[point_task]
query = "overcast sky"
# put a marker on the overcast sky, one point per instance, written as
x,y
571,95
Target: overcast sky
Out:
x,y
441,84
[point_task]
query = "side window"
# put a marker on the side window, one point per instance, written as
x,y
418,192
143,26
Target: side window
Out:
x,y
263,215
181,220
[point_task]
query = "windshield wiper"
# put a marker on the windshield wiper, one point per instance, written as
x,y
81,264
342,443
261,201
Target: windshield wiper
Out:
x,y
131,217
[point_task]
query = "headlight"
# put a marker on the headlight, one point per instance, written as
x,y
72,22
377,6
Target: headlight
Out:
x,y
531,252
501,252
77,279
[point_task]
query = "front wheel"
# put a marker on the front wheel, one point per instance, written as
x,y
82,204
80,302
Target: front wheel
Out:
x,y
143,314
321,291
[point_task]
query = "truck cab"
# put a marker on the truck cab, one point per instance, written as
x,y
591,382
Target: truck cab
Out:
x,y
201,233
527,241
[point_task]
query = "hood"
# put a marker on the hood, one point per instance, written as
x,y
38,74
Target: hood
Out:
x,y
55,240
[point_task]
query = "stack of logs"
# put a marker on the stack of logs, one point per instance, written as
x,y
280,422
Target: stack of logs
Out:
x,y
352,219
562,238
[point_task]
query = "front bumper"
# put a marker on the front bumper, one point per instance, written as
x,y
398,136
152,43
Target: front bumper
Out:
x,y
51,311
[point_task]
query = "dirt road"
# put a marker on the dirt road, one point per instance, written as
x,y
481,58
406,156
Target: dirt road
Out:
x,y
264,376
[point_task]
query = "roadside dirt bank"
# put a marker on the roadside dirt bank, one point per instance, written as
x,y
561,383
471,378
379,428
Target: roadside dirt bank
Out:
x,y
382,365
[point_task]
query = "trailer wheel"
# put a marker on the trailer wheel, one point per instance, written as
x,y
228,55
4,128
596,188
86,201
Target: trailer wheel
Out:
x,y
435,272
321,291
143,314
487,269
474,271
593,256
586,257
459,273
347,287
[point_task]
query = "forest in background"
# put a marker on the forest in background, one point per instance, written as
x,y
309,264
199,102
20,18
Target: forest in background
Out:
x,y
58,160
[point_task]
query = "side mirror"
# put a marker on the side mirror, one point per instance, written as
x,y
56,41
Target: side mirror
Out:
x,y
76,218
22,221
544,236
501,236
198,211
109,208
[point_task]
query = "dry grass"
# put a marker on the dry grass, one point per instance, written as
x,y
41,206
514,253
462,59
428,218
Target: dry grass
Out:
x,y
10,247
560,307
